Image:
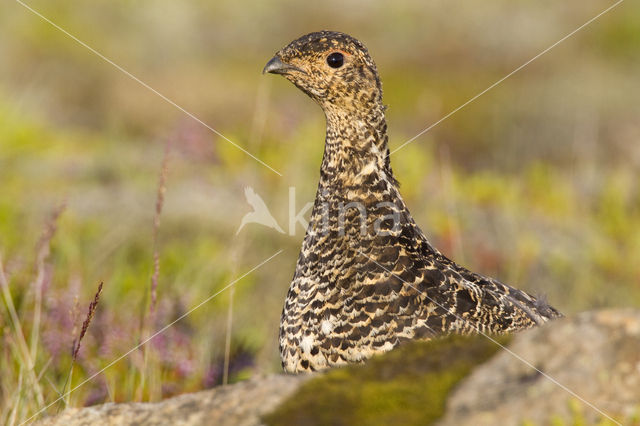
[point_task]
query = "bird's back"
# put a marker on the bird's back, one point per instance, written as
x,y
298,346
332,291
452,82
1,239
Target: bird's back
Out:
x,y
354,295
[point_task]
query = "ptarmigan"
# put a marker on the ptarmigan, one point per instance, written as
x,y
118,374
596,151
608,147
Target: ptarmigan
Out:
x,y
367,279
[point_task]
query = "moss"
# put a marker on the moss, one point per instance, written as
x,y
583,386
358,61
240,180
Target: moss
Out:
x,y
409,385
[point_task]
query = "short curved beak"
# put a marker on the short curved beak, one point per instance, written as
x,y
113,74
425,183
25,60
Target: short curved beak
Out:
x,y
276,66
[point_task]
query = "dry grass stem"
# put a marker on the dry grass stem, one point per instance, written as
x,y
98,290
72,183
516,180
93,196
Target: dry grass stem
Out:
x,y
76,342
227,343
162,188
43,249
85,325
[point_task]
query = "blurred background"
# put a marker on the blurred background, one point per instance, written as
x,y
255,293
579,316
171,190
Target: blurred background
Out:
x,y
534,183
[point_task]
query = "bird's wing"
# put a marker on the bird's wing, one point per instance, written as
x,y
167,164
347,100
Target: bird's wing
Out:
x,y
507,308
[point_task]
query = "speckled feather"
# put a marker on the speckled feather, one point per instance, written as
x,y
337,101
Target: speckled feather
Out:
x,y
364,286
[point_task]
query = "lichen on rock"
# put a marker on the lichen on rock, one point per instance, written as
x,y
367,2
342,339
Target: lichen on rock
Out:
x,y
409,385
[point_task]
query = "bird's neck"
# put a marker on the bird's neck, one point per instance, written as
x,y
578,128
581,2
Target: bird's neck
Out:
x,y
355,146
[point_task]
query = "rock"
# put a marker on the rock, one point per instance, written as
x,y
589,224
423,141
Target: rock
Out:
x,y
596,355
408,385
452,381
239,404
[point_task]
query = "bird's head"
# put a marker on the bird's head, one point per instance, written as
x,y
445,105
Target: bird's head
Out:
x,y
333,68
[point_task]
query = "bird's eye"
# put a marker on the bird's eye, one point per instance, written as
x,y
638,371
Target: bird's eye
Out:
x,y
335,60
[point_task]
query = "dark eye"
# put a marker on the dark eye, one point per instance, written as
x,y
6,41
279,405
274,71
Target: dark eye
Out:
x,y
335,60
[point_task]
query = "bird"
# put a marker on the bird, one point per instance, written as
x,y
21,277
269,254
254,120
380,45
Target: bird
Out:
x,y
367,279
260,213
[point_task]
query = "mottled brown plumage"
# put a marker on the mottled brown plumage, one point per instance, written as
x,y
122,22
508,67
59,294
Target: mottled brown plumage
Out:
x,y
367,279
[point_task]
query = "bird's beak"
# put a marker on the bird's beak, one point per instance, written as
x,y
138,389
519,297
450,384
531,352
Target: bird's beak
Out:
x,y
276,66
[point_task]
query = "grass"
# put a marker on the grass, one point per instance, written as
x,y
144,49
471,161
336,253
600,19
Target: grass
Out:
x,y
534,183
